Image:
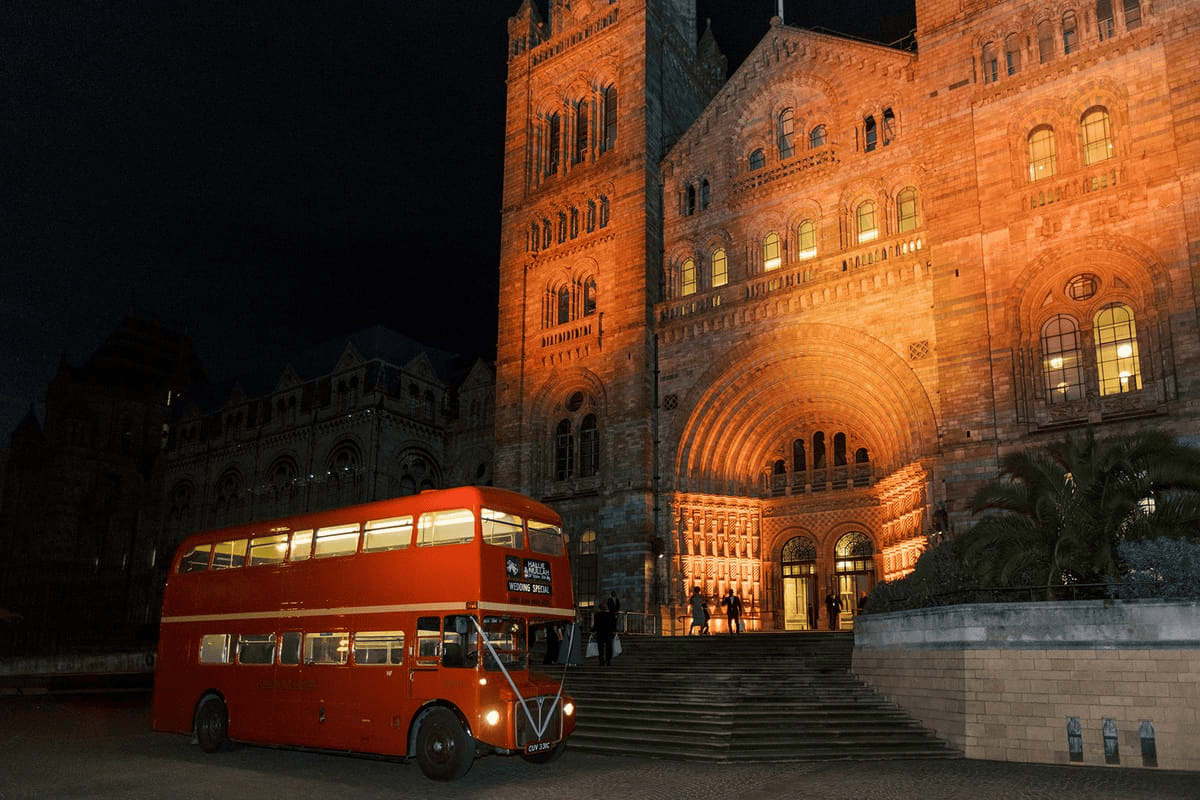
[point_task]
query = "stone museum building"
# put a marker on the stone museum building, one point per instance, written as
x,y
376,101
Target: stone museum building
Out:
x,y
769,332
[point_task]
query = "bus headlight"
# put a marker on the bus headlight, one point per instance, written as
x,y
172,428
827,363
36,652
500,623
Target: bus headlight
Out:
x,y
568,708
492,717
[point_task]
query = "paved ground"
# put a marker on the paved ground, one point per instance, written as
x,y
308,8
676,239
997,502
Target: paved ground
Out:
x,y
101,747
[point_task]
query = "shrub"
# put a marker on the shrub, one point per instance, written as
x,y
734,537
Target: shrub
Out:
x,y
1160,568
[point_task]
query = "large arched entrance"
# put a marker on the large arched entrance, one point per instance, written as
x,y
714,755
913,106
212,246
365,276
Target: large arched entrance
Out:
x,y
855,569
798,564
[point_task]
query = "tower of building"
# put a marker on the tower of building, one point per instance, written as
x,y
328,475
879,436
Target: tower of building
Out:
x,y
597,91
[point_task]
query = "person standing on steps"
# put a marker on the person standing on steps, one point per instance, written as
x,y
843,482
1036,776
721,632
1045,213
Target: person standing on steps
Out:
x,y
604,626
733,610
699,612
833,607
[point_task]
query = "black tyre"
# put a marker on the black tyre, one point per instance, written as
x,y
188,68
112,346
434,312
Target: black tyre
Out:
x,y
444,750
546,756
212,724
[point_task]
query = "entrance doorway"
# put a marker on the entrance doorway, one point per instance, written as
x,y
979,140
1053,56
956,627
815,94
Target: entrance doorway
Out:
x,y
855,567
798,563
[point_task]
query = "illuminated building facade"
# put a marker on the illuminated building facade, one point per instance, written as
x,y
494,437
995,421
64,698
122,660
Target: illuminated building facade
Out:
x,y
779,328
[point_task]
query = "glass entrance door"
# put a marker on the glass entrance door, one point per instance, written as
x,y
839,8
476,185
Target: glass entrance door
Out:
x,y
799,568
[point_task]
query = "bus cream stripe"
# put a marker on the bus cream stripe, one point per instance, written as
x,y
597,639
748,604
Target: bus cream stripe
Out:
x,y
359,610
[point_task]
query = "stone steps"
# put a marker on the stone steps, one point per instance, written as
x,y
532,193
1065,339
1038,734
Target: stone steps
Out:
x,y
760,697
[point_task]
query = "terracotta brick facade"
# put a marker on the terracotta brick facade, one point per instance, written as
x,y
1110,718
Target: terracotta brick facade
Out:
x,y
778,328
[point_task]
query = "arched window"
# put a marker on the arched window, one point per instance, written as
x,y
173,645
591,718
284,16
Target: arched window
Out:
x,y
772,257
818,453
889,126
867,225
687,277
535,238
1104,19
1045,40
604,211
589,297
564,304
720,267
839,449
1117,350
799,463
806,239
817,137
564,451
574,222
546,234
1133,14
1096,135
581,132
591,216
757,160
609,100
554,132
689,200
704,194
1069,33
1043,156
906,210
1012,54
1061,357
870,134
562,227
991,68
589,447
787,134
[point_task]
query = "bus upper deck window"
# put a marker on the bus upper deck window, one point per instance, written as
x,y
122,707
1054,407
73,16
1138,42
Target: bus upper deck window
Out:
x,y
387,534
301,545
268,549
502,529
336,540
227,555
545,538
456,526
195,559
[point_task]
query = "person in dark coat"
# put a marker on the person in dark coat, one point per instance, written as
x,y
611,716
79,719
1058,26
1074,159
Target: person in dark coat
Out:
x,y
733,610
604,625
833,607
553,639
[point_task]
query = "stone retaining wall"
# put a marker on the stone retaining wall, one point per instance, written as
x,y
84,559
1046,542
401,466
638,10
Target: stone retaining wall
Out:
x,y
1092,682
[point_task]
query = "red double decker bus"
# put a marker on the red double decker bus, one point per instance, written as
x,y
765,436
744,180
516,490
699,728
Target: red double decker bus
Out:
x,y
401,627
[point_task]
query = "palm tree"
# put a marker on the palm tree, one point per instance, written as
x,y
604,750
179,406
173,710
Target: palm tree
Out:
x,y
1057,514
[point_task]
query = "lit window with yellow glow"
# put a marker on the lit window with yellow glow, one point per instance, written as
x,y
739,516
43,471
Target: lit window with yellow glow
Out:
x,y
906,210
806,239
1061,356
868,228
772,256
720,267
1043,156
1097,136
687,277
1117,350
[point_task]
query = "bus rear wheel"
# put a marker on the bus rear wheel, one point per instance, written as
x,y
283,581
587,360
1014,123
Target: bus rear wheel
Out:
x,y
212,724
444,750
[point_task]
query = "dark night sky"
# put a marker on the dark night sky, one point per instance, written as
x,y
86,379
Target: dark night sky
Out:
x,y
263,175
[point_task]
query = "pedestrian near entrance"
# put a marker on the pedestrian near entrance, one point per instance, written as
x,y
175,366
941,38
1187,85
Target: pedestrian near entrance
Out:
x,y
833,607
699,612
614,605
604,625
733,610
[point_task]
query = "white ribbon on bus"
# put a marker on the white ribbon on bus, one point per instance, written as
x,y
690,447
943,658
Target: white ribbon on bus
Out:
x,y
538,729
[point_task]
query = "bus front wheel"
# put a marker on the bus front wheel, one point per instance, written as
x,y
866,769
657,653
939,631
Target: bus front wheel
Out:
x,y
212,724
444,750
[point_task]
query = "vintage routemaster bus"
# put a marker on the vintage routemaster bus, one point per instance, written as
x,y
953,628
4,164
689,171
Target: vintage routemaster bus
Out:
x,y
401,627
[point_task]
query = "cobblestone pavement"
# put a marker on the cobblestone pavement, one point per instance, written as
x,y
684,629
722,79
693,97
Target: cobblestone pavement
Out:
x,y
102,747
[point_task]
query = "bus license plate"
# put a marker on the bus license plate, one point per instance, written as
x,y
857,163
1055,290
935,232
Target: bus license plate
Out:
x,y
539,747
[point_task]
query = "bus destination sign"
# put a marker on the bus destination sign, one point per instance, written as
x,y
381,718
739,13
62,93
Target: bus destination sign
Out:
x,y
530,575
